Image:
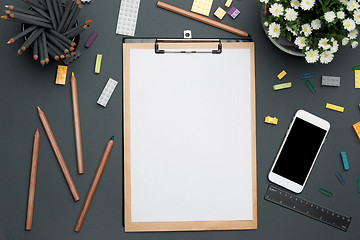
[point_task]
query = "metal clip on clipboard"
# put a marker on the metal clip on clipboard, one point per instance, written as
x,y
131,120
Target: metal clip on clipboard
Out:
x,y
161,51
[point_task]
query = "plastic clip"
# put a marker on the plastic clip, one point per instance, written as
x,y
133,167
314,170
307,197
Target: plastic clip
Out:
x,y
325,192
357,67
307,75
340,178
310,87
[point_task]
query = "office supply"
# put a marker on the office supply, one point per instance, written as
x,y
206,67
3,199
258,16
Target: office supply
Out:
x,y
127,19
34,35
271,120
344,161
21,10
282,86
44,46
228,3
91,39
307,208
356,128
281,75
73,17
310,86
202,19
98,63
212,196
307,75
107,92
53,55
68,8
58,155
62,37
334,107
357,75
36,50
340,178
325,192
202,6
56,10
41,52
77,130
21,34
233,12
330,81
220,13
51,13
32,182
187,34
61,75
94,185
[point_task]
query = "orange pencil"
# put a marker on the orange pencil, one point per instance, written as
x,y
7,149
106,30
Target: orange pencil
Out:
x,y
75,104
94,184
31,194
58,155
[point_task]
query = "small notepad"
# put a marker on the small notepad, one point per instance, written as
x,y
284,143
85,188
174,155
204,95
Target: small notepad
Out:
x,y
202,6
127,19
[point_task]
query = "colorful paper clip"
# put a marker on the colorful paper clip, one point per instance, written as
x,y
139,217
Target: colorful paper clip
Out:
x,y
310,87
357,67
359,185
325,192
307,75
340,178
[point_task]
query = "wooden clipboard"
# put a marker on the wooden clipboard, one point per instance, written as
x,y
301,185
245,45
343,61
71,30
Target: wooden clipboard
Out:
x,y
143,145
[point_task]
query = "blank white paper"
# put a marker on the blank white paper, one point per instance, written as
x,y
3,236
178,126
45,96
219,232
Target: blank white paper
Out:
x,y
190,131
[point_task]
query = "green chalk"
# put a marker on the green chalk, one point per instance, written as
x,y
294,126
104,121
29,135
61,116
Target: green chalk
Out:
x,y
98,63
282,86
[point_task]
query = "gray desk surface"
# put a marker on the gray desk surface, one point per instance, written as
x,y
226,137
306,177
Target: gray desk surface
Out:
x,y
25,84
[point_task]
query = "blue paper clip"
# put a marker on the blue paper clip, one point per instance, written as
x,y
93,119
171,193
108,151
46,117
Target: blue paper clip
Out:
x,y
325,192
307,75
310,87
340,178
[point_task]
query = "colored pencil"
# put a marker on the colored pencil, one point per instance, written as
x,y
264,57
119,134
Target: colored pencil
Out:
x,y
36,50
94,185
61,9
57,43
56,10
63,43
53,54
68,20
76,115
56,50
21,34
77,32
29,21
64,17
51,13
21,10
44,43
202,19
32,181
35,4
34,35
58,155
87,22
41,52
62,37
42,12
43,3
24,15
74,17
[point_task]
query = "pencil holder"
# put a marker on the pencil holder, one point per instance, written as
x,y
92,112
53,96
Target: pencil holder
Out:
x,y
49,28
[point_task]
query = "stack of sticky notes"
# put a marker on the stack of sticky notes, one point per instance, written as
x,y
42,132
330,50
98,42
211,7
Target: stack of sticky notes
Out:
x,y
202,6
220,13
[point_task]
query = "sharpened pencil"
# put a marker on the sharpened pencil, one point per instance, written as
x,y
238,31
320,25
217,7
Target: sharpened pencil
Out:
x,y
94,185
62,37
65,17
87,22
42,13
21,10
21,34
57,43
36,50
30,21
24,15
58,155
68,20
51,13
74,17
56,50
53,54
44,43
34,35
34,4
32,181
77,32
41,52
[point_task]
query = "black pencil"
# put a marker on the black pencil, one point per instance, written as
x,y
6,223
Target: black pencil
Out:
x,y
56,10
24,15
34,35
35,3
42,12
43,2
77,32
41,52
21,10
30,21
51,13
36,50
57,43
21,34
53,54
62,37
64,17
56,50
46,53
71,14
73,19
61,8
70,31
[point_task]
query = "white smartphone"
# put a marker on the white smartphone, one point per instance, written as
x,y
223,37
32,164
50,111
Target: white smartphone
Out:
x,y
299,150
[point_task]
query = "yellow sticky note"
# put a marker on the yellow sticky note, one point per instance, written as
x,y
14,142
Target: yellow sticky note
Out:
x,y
202,6
357,78
334,107
220,13
356,128
228,3
98,63
281,75
61,75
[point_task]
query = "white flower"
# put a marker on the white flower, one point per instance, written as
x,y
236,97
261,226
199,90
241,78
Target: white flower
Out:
x,y
315,24
290,14
352,5
345,41
330,16
357,16
266,24
353,34
312,56
344,2
295,4
335,47
306,29
291,31
264,1
307,4
323,43
340,15
354,44
276,9
326,57
349,24
300,42
274,30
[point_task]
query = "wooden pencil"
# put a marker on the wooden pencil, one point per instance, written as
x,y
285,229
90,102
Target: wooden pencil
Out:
x,y
32,181
44,44
57,43
68,20
21,10
56,10
74,17
24,15
36,50
61,8
53,54
62,37
58,155
34,4
202,19
77,32
68,8
30,21
94,185
76,115
51,13
21,34
41,52
87,22
56,50
34,35
42,12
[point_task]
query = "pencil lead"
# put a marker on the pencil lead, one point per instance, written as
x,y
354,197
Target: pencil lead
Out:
x,y
37,129
7,11
112,138
72,74
10,41
38,108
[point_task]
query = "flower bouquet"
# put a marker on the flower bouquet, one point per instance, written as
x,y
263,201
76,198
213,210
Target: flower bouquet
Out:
x,y
317,27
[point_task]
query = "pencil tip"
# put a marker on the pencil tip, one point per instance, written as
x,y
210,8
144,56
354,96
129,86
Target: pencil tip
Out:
x,y
37,129
72,74
112,138
38,108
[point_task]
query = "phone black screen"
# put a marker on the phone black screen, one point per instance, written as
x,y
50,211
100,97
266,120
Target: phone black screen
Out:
x,y
299,151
